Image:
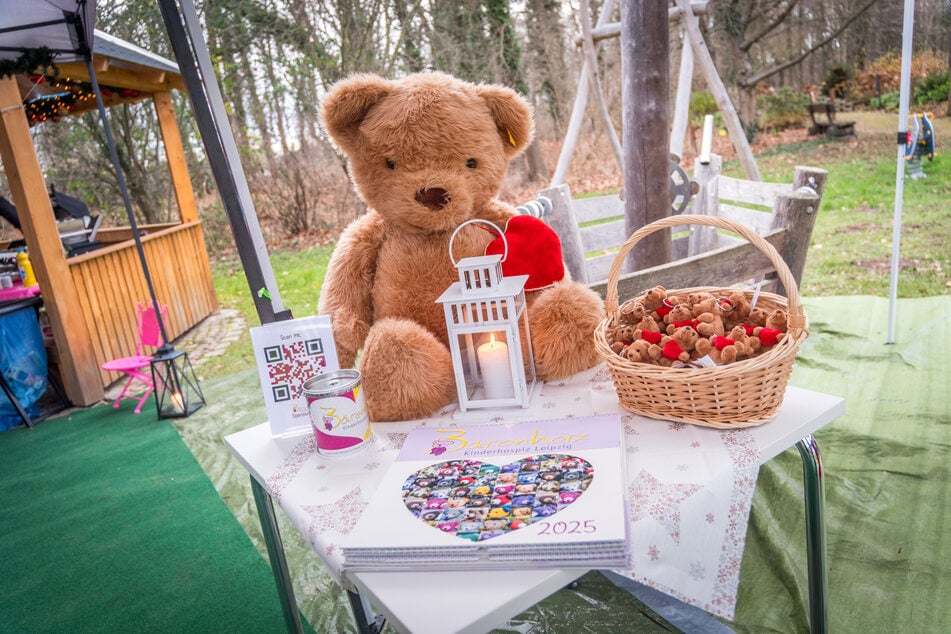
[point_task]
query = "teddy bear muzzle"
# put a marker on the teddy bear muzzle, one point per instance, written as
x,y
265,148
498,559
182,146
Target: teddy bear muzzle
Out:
x,y
433,197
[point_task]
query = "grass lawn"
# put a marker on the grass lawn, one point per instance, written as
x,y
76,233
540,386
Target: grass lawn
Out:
x,y
851,243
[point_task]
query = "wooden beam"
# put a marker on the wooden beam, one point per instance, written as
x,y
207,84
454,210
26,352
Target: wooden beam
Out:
x,y
76,355
146,80
718,90
613,29
175,153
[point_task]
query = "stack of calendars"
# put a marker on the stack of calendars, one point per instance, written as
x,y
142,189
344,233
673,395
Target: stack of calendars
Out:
x,y
532,494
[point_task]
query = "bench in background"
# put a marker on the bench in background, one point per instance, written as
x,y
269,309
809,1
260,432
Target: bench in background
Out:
x,y
825,122
592,229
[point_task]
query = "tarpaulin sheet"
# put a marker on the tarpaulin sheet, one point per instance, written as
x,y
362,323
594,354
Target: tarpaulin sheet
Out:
x,y
887,478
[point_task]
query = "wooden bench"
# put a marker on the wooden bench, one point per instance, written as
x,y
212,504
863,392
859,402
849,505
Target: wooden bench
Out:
x,y
824,122
592,229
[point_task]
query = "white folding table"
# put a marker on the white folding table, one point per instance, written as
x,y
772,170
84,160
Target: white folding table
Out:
x,y
396,594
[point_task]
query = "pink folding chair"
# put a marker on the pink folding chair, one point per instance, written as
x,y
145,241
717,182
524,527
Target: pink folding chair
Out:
x,y
137,367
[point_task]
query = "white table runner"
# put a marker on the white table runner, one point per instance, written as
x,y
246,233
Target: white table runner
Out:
x,y
690,491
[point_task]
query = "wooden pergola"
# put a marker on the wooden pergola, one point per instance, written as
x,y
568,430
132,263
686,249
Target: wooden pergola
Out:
x,y
91,298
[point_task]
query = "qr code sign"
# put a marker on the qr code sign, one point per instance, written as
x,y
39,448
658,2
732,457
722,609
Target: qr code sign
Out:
x,y
290,365
288,353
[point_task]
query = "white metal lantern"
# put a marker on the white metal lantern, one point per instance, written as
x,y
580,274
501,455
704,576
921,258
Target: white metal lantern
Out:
x,y
487,321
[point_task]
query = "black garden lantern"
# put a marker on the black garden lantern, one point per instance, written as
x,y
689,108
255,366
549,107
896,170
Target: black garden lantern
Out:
x,y
177,393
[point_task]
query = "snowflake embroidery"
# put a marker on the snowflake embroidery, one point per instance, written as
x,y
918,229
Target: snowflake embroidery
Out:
x,y
340,515
370,466
744,453
682,467
291,465
653,553
396,439
651,497
630,429
710,518
697,571
696,444
677,426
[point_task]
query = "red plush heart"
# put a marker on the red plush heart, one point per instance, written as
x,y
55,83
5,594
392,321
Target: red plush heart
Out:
x,y
534,250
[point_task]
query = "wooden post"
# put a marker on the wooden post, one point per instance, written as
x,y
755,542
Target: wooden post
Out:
x,y
702,238
175,153
645,57
678,129
565,224
718,90
77,358
577,111
796,212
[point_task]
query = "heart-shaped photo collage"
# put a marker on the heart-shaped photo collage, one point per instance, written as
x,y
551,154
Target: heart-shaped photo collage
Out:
x,y
479,501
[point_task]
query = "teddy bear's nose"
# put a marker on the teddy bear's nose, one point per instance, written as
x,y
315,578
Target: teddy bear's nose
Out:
x,y
435,198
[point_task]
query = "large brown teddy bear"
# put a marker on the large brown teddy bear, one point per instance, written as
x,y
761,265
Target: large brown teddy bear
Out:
x,y
427,153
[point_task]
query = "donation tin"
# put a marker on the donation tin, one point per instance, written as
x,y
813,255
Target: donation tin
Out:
x,y
338,412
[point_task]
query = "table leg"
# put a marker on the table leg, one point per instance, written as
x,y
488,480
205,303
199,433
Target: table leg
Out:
x,y
275,552
815,533
367,622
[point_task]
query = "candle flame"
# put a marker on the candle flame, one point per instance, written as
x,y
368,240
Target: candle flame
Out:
x,y
178,401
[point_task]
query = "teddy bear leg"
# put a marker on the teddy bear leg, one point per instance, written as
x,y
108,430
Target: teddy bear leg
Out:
x,y
563,318
406,372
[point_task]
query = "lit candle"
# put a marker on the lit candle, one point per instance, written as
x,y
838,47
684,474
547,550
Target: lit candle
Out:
x,y
178,402
496,369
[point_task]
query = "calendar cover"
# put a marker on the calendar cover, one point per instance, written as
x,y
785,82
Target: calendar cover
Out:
x,y
288,353
535,494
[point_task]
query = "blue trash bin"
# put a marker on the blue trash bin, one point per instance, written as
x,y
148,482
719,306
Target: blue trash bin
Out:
x,y
23,364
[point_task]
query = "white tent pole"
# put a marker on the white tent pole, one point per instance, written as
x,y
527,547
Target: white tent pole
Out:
x,y
908,25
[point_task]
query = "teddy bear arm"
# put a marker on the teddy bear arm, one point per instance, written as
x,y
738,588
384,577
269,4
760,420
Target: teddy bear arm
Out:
x,y
346,294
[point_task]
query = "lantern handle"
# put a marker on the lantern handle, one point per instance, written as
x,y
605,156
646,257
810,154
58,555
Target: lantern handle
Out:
x,y
505,251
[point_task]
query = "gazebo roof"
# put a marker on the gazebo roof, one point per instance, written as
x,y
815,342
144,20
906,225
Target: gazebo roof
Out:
x,y
126,74
122,52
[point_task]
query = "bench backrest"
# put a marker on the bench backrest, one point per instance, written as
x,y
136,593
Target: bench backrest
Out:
x,y
592,229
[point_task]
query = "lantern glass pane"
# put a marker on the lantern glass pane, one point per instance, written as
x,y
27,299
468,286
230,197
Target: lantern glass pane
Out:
x,y
177,392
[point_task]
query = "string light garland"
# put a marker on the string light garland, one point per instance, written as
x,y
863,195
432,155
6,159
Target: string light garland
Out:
x,y
71,96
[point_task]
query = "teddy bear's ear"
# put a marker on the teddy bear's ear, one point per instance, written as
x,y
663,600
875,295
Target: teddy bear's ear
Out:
x,y
348,102
513,117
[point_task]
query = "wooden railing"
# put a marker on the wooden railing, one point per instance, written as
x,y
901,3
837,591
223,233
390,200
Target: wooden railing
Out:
x,y
110,283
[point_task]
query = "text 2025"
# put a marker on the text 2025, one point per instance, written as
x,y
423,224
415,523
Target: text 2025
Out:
x,y
566,528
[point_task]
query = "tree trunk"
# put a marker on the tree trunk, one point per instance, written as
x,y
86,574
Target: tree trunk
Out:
x,y
645,77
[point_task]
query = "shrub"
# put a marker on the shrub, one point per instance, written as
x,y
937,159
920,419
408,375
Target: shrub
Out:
x,y
836,83
933,88
888,102
702,103
783,109
888,69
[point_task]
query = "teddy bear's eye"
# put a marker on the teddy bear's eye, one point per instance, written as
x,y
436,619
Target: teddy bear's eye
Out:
x,y
471,164
391,164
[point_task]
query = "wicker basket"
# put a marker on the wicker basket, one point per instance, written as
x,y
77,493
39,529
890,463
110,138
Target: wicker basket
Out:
x,y
740,394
